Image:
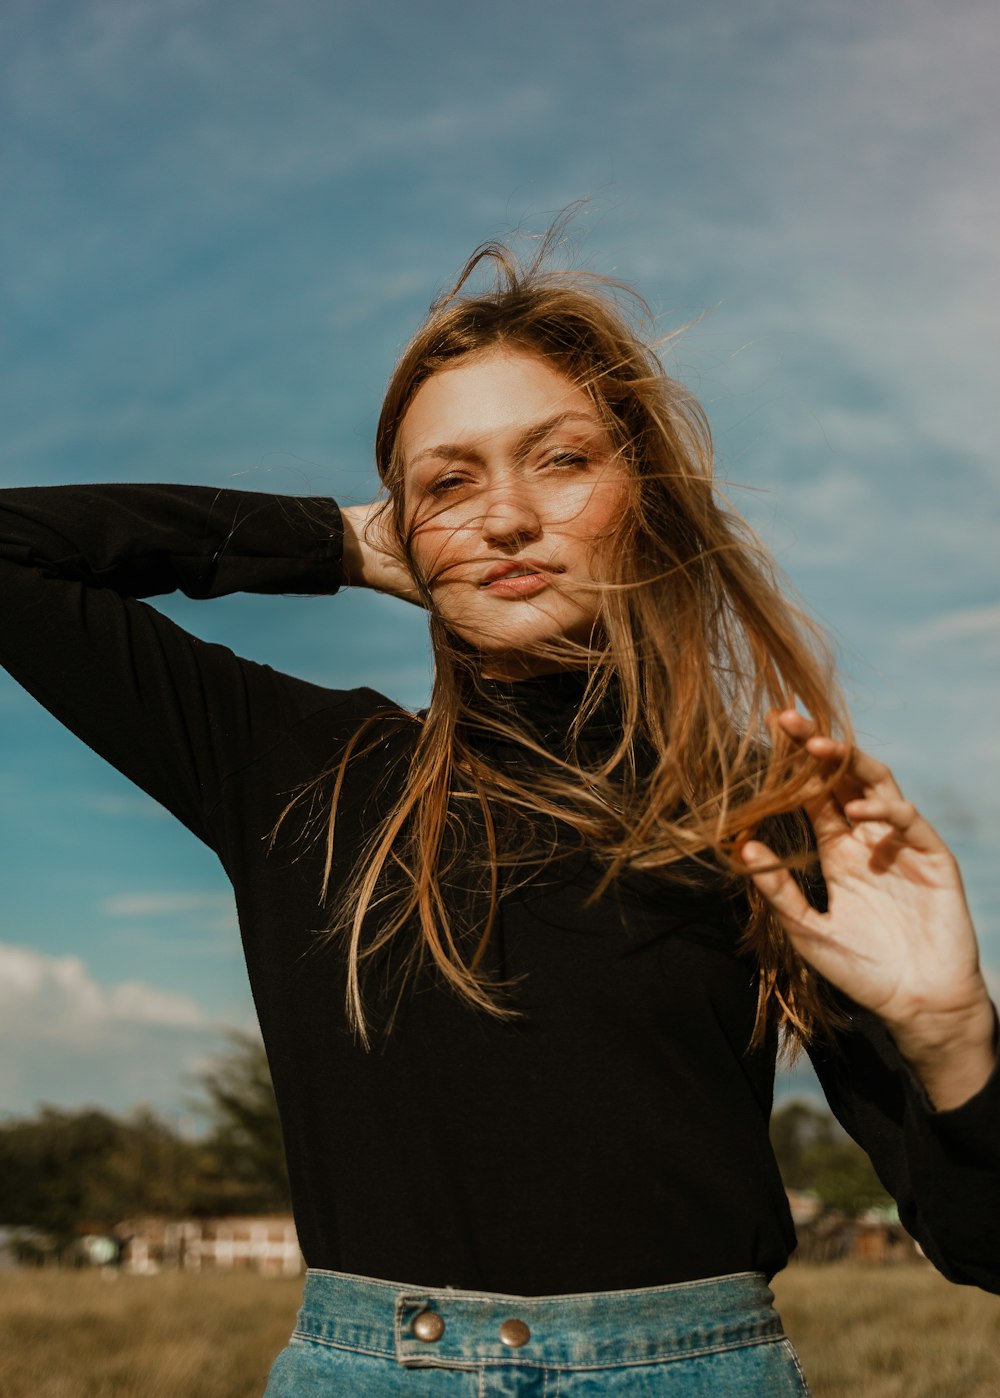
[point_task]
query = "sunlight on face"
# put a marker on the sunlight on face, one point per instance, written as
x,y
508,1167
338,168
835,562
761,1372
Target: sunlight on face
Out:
x,y
511,482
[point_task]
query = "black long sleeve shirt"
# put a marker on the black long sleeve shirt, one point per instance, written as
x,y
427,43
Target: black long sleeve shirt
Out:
x,y
611,1136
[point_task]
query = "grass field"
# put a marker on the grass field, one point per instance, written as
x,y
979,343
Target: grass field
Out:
x,y
891,1332
866,1332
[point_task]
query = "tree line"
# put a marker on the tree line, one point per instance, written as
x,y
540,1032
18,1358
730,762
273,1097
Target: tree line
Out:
x,y
62,1171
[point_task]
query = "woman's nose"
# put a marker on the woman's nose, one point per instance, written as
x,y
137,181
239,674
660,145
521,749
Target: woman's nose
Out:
x,y
510,515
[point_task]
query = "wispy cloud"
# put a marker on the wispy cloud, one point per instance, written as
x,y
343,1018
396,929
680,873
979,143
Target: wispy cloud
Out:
x,y
175,922
159,904
978,626
123,805
854,213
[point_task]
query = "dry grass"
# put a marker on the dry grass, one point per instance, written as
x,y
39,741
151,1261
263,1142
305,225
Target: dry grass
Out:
x,y
866,1332
891,1332
81,1335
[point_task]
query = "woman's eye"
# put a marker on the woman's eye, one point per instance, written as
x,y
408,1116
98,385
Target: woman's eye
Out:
x,y
568,460
445,484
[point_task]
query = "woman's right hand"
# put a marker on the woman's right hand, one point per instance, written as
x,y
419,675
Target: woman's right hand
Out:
x,y
371,556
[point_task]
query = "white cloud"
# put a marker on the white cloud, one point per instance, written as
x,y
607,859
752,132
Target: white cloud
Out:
x,y
66,1038
57,998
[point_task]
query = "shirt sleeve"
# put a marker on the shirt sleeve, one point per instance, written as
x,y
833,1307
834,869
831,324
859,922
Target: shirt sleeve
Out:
x,y
942,1168
173,713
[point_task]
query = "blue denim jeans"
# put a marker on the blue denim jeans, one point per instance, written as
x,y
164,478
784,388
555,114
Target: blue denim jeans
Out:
x,y
719,1338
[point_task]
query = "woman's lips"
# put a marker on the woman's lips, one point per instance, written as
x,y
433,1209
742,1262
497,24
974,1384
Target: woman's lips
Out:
x,y
518,577
517,584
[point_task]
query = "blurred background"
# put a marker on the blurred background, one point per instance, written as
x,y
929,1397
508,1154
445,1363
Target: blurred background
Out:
x,y
222,221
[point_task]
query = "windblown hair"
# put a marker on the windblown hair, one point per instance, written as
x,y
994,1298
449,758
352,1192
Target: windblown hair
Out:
x,y
697,641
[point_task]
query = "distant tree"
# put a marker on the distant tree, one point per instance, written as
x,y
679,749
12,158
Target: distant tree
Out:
x,y
46,1163
796,1128
814,1153
243,1157
150,1169
60,1170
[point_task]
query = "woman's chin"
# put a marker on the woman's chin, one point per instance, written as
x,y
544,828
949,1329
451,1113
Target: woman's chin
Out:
x,y
519,666
535,646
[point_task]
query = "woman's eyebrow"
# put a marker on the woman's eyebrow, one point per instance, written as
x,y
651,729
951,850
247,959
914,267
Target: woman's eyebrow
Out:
x,y
533,435
537,432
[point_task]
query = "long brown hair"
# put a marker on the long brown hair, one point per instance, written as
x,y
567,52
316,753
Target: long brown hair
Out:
x,y
698,641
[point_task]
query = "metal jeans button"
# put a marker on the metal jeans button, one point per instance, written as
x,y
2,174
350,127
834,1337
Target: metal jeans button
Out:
x,y
428,1326
514,1333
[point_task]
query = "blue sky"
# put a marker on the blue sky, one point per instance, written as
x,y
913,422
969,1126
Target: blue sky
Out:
x,y
221,223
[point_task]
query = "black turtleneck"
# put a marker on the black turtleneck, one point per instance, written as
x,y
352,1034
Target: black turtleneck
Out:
x,y
612,1133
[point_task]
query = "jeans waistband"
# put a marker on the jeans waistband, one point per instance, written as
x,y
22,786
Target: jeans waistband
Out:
x,y
421,1326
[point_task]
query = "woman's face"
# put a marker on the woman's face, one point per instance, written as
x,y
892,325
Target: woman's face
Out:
x,y
510,483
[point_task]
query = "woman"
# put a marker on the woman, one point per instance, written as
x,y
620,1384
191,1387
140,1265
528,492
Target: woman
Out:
x,y
521,962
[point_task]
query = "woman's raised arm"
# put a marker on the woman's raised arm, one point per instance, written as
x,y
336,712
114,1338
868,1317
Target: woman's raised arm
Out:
x,y
912,1074
173,713
147,540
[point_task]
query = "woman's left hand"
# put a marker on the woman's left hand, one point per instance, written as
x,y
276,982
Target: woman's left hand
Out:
x,y
897,936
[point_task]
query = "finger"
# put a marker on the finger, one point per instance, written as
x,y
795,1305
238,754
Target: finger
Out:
x,y
861,776
818,800
778,887
869,774
830,752
794,723
836,785
864,768
902,816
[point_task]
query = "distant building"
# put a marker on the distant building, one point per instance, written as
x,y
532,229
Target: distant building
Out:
x,y
266,1244
804,1205
830,1235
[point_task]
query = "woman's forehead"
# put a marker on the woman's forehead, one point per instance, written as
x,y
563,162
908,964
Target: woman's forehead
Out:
x,y
488,397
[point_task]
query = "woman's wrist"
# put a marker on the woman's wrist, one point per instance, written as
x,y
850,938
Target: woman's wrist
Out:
x,y
367,558
953,1057
352,518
